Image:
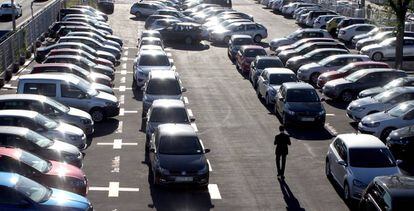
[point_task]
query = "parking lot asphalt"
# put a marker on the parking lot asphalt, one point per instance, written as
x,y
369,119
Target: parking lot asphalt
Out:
x,y
231,121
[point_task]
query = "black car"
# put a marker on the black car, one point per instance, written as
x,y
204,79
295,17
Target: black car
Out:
x,y
57,25
346,89
177,156
401,143
294,63
235,42
298,102
399,82
259,64
179,32
394,192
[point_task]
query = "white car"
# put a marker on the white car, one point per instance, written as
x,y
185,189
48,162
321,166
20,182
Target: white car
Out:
x,y
6,9
359,108
270,81
297,35
149,60
354,160
179,15
255,30
346,34
382,123
320,22
386,49
310,72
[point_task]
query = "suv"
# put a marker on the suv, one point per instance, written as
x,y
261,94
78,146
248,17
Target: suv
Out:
x,y
188,32
142,9
255,30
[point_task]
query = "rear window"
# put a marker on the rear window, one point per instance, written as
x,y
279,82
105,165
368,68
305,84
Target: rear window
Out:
x,y
278,79
179,145
265,63
163,87
302,95
169,115
151,60
254,52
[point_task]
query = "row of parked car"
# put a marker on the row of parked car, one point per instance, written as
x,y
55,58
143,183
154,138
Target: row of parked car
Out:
x,y
46,125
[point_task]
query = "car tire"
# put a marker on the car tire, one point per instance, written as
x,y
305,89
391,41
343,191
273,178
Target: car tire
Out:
x,y
97,114
386,132
226,40
347,96
134,83
258,93
314,78
346,193
377,56
257,38
188,40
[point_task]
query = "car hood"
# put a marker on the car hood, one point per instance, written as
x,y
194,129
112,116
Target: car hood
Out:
x,y
337,82
101,87
401,133
107,97
105,61
280,41
376,117
147,69
69,129
67,199
363,102
103,67
301,106
105,53
295,59
95,75
79,113
366,175
182,162
371,47
369,39
65,148
66,170
310,66
371,91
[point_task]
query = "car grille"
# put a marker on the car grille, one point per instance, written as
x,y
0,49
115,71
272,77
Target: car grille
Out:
x,y
180,173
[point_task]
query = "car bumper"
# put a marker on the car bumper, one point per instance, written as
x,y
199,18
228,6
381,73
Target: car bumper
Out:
x,y
305,119
193,180
368,130
356,116
112,111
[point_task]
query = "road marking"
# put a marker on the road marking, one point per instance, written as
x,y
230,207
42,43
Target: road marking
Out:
x,y
185,100
113,189
117,144
330,114
122,112
124,58
115,164
123,79
124,66
331,129
124,72
209,166
169,55
309,149
126,53
122,99
190,112
214,191
122,88
194,126
119,129
9,86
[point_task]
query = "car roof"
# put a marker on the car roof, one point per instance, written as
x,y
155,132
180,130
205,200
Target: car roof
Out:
x,y
150,32
20,131
9,179
313,30
362,63
396,185
152,52
168,103
151,38
347,56
161,74
18,113
297,85
244,47
64,56
237,36
359,140
176,130
22,97
372,70
151,47
359,24
267,58
279,70
11,152
328,49
51,76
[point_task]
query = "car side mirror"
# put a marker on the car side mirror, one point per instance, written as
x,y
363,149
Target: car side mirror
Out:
x,y
183,89
342,163
206,150
266,82
398,162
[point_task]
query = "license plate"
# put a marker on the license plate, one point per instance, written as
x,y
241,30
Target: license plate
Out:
x,y
183,179
308,119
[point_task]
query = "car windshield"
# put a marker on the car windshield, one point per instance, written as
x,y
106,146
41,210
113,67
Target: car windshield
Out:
x,y
163,87
46,122
38,139
279,79
179,145
327,60
394,83
169,115
254,52
57,105
294,34
265,63
242,41
355,76
86,86
371,158
302,95
154,60
34,161
386,96
35,191
400,109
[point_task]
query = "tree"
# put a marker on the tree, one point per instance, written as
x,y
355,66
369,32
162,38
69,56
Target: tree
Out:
x,y
400,8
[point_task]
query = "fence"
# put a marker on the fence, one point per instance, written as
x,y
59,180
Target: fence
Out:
x,y
16,46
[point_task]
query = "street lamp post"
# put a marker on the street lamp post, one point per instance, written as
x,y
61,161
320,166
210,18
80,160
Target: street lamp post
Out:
x,y
31,7
13,15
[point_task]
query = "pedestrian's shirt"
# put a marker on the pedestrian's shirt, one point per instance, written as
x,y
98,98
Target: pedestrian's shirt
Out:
x,y
282,141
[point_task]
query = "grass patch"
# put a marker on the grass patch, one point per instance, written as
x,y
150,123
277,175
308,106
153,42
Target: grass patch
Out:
x,y
92,3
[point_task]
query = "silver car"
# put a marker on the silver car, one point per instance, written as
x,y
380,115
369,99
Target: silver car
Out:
x,y
71,92
255,30
44,126
96,37
386,49
297,35
149,60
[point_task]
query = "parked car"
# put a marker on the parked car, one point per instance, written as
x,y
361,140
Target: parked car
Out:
x,y
44,125
235,42
64,30
95,23
82,11
56,26
400,142
388,192
146,61
98,18
346,34
374,32
175,13
259,64
246,55
299,103
190,33
150,33
321,21
49,108
294,63
39,196
386,49
71,92
174,149
7,9
51,173
81,53
381,124
163,23
310,72
166,111
93,10
298,35
93,44
362,107
310,19
270,80
147,8
161,85
399,82
255,30
347,70
348,21
354,160
378,38
97,37
150,41
302,42
346,89
332,25
42,146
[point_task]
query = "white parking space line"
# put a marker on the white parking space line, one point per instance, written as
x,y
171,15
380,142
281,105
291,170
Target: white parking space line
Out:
x,y
113,189
126,53
214,191
115,164
9,86
330,114
117,144
194,126
122,88
169,55
331,129
122,99
124,58
124,72
123,79
122,112
185,100
119,129
190,112
124,66
209,166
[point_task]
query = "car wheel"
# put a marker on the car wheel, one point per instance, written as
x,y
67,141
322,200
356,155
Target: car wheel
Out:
x,y
347,194
138,14
386,132
314,78
347,96
257,38
188,40
226,40
328,169
267,100
134,82
377,56
97,115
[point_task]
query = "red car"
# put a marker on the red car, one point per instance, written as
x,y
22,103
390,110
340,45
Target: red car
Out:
x,y
80,52
50,173
347,70
246,55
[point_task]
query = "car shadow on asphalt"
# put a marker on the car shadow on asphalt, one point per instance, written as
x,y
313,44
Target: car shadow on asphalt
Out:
x,y
134,18
137,93
337,104
353,205
105,127
292,203
194,47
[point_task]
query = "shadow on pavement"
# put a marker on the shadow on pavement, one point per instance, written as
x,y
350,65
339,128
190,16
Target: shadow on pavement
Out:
x,y
353,205
337,104
137,93
292,203
407,168
106,127
309,133
193,47
137,18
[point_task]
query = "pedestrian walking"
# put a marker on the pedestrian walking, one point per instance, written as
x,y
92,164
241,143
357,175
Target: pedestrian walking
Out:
x,y
282,140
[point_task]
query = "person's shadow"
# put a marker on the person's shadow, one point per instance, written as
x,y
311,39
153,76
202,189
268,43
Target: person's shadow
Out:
x,y
291,202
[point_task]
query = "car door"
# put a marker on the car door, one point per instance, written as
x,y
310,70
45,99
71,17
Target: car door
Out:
x,y
251,29
262,84
280,99
342,166
389,51
153,145
368,81
72,96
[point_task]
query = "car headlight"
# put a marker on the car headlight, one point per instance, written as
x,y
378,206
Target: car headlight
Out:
x,y
290,112
321,113
203,170
111,104
86,121
358,183
372,124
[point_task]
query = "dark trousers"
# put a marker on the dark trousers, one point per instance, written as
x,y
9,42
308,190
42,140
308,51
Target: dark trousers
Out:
x,y
281,165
